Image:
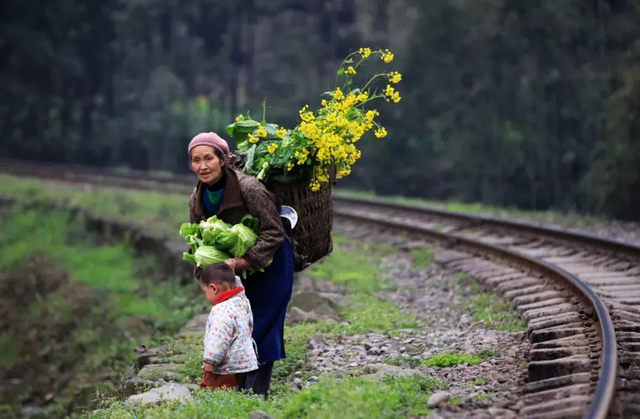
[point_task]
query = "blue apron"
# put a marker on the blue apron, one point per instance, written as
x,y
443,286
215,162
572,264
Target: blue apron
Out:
x,y
269,293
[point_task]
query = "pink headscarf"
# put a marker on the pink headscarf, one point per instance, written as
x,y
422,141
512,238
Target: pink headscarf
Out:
x,y
212,140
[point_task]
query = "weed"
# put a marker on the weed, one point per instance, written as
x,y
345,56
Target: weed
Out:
x,y
451,360
422,258
489,310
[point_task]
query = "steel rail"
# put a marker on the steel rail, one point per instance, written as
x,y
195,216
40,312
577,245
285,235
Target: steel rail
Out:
x,y
474,220
605,389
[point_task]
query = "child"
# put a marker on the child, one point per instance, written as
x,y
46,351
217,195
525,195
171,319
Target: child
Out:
x,y
229,349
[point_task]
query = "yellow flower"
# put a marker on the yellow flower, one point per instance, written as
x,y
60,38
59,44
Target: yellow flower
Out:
x,y
392,94
381,132
387,56
271,148
301,156
365,52
261,132
290,166
389,91
345,171
239,118
253,139
338,94
370,115
362,97
281,132
306,116
350,71
395,77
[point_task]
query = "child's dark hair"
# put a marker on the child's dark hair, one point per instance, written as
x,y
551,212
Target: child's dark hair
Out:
x,y
218,273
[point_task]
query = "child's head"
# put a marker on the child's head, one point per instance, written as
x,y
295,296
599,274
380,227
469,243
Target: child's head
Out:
x,y
216,279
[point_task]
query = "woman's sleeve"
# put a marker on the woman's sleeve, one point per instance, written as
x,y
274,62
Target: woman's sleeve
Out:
x,y
260,204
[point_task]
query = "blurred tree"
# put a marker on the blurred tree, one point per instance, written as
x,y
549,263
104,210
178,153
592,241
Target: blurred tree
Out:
x,y
531,104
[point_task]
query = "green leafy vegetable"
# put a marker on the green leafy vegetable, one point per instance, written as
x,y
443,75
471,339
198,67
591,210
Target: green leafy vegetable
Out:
x,y
187,229
252,222
245,240
208,255
213,240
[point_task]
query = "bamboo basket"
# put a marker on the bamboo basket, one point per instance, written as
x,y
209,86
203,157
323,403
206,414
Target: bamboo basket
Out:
x,y
311,237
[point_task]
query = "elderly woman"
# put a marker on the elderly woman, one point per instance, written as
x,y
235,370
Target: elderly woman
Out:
x,y
231,194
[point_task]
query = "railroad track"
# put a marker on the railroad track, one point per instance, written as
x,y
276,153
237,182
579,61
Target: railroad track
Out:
x,y
578,294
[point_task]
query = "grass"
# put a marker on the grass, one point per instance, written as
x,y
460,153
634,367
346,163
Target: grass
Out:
x,y
77,305
484,397
547,217
160,212
354,266
422,258
351,265
452,359
487,308
352,397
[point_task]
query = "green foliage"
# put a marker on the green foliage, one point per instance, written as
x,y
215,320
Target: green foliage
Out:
x,y
77,305
530,105
490,311
352,265
451,360
352,397
160,213
422,258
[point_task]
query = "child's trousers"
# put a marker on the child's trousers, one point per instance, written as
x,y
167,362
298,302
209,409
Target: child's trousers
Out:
x,y
213,381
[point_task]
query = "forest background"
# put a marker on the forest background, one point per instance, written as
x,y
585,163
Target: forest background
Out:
x,y
532,104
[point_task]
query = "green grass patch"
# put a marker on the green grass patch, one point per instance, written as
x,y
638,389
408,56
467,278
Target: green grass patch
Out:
x,y
452,359
354,265
422,258
491,311
370,314
160,212
77,305
352,398
484,397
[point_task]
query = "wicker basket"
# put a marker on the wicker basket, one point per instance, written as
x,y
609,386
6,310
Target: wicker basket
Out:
x,y
311,236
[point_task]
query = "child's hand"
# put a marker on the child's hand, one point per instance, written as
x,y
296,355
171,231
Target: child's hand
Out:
x,y
207,367
237,264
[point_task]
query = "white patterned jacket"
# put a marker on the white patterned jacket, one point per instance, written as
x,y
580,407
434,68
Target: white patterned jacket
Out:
x,y
228,344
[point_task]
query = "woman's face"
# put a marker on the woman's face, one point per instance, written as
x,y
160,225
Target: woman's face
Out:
x,y
205,164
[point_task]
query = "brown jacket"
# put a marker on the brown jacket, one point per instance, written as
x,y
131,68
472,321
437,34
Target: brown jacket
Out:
x,y
243,195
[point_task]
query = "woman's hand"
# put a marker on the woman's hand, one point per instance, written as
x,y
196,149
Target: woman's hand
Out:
x,y
207,367
237,264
